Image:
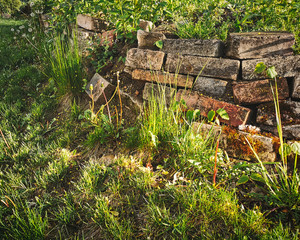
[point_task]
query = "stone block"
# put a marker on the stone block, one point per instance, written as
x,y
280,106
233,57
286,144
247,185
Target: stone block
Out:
x,y
144,59
259,44
167,29
146,25
296,87
259,91
210,86
196,47
101,87
146,40
203,66
285,66
237,115
161,93
289,112
163,77
235,144
90,23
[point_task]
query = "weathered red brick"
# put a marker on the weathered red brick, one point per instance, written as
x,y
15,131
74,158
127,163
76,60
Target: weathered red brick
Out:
x,y
237,115
235,144
163,77
108,37
259,91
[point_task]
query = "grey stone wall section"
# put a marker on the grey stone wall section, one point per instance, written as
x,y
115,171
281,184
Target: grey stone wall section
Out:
x,y
259,44
285,66
205,66
210,86
195,47
296,87
144,59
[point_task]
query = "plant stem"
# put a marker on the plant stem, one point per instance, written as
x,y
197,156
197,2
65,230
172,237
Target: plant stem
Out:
x,y
215,167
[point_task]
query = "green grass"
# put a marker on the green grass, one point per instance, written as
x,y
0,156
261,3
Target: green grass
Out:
x,y
52,186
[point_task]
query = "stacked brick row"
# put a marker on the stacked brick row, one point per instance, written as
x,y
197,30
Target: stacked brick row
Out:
x,y
207,71
211,74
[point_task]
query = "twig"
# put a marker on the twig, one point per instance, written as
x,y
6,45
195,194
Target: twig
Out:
x,y
4,139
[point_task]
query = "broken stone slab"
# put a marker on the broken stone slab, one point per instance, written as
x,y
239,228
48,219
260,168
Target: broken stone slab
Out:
x,y
146,25
210,86
259,91
289,132
259,44
161,93
163,77
203,66
289,113
167,29
100,87
237,115
196,47
144,59
235,144
296,87
146,40
91,23
285,66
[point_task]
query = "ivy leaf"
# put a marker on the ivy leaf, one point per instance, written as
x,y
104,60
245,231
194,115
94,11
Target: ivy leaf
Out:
x,y
271,72
243,179
159,44
223,114
210,116
257,177
260,67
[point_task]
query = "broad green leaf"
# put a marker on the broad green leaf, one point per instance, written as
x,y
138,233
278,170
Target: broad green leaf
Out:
x,y
211,115
189,115
260,67
295,147
159,44
271,72
257,177
243,179
223,114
